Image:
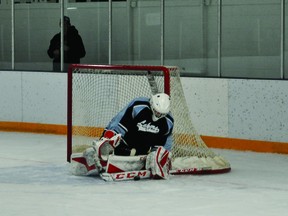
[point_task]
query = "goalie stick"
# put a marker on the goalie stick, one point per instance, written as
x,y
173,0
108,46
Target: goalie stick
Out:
x,y
124,176
152,83
146,174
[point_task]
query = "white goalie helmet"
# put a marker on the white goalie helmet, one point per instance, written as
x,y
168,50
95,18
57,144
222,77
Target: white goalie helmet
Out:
x,y
160,105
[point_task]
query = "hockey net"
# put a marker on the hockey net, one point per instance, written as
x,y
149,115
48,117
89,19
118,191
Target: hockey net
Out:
x,y
96,93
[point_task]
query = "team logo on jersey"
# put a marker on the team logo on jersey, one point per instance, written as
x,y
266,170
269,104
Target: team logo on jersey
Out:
x,y
147,127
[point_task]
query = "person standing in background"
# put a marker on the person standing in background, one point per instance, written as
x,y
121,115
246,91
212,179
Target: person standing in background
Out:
x,y
73,46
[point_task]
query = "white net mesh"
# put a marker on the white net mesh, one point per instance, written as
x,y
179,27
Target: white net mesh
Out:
x,y
98,94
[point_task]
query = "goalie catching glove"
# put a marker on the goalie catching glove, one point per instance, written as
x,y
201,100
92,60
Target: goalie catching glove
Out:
x,y
104,147
159,162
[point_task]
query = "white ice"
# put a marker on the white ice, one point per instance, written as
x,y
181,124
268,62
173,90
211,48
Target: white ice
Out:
x,y
35,181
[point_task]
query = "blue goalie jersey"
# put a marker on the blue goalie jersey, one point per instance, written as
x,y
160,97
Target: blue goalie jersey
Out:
x,y
139,131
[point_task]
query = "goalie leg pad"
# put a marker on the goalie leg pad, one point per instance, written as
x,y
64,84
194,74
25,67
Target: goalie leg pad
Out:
x,y
83,163
118,164
159,162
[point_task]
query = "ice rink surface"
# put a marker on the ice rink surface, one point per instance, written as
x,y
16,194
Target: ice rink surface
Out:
x,y
35,181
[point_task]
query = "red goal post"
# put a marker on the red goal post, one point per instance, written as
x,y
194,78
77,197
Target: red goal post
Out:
x,y
98,92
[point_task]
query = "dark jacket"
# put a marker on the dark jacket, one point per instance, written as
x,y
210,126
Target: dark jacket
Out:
x,y
73,41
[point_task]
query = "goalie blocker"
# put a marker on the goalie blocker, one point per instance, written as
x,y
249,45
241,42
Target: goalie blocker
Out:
x,y
99,159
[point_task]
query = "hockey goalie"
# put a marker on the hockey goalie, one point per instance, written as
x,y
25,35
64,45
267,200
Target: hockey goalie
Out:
x,y
135,144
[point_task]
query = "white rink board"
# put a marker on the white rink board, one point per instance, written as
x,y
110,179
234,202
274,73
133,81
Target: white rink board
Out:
x,y
248,109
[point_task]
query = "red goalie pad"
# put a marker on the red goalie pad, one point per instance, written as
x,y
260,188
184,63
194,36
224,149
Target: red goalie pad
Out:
x,y
159,162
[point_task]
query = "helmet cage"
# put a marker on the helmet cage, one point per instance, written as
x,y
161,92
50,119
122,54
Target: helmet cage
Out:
x,y
157,115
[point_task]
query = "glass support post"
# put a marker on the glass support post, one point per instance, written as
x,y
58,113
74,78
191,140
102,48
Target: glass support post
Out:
x,y
219,36
12,35
282,48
